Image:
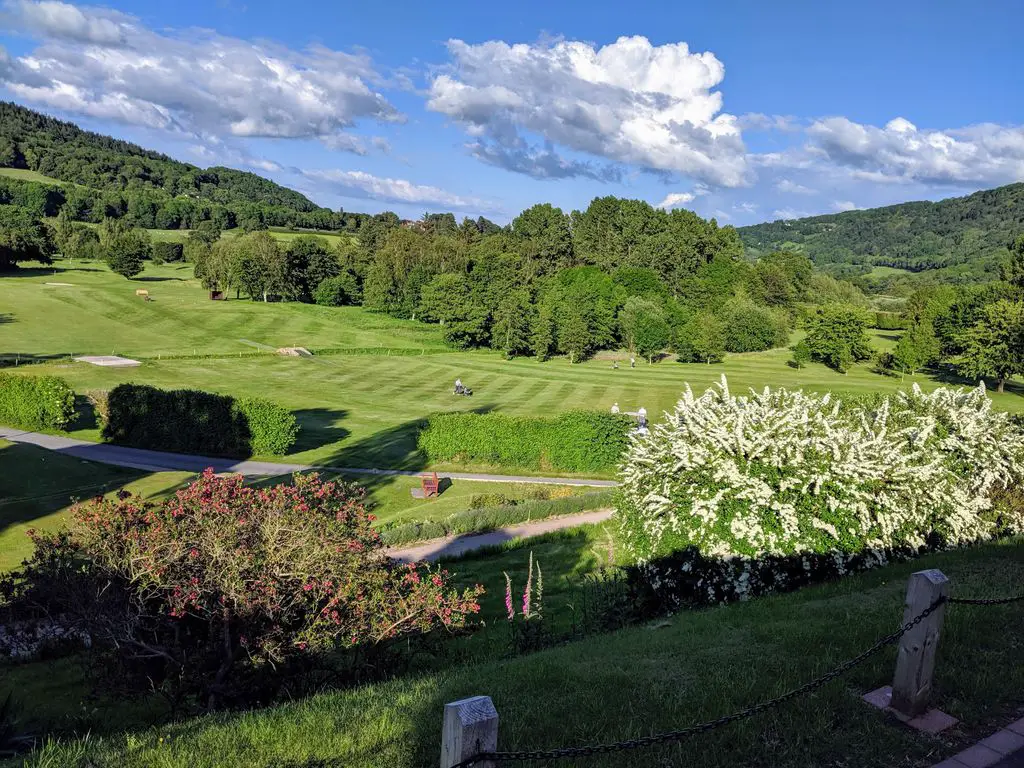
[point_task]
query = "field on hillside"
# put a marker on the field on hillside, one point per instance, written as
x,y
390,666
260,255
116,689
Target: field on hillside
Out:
x,y
23,174
355,409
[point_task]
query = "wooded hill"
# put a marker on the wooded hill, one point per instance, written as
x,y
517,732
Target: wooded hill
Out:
x,y
963,239
146,179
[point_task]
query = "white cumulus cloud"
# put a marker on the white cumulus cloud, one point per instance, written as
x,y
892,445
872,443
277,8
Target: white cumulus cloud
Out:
x,y
902,152
844,205
676,199
366,185
786,185
108,65
629,102
789,213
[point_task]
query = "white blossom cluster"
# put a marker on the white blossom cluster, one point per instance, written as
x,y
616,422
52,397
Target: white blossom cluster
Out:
x,y
782,472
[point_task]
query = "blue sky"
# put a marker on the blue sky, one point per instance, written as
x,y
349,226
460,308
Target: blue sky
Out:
x,y
746,111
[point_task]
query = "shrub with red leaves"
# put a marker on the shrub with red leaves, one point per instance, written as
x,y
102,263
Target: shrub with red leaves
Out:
x,y
196,591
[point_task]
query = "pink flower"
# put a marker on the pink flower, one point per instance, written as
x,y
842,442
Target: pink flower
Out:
x,y
508,598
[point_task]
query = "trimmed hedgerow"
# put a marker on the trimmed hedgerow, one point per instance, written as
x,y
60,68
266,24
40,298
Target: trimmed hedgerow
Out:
x,y
36,402
575,441
272,428
191,421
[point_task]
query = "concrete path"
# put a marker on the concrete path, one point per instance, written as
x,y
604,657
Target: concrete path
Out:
x,y
460,545
161,461
1003,749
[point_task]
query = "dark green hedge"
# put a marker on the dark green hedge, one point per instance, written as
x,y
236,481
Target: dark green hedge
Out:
x,y
191,421
36,402
575,441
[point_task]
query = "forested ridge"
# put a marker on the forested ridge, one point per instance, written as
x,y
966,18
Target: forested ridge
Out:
x,y
116,178
962,239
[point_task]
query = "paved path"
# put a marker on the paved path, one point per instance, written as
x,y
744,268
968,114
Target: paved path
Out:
x,y
459,545
1003,749
162,461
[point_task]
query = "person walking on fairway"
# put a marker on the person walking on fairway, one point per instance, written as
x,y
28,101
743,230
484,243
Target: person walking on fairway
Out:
x,y
641,418
632,362
615,407
458,386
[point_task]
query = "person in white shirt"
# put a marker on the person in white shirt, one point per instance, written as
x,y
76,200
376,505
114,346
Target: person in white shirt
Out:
x,y
641,417
615,407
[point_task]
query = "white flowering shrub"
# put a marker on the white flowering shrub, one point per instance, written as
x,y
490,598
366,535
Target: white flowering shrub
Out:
x,y
786,473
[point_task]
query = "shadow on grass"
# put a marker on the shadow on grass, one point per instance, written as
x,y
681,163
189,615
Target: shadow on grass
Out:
x,y
6,318
317,427
948,375
14,359
158,279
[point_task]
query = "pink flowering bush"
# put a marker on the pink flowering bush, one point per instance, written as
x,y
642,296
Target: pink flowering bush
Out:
x,y
199,592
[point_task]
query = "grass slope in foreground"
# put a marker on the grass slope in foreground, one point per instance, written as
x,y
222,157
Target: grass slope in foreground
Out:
x,y
665,675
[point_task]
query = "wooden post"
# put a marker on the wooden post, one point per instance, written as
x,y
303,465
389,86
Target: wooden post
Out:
x,y
470,729
915,658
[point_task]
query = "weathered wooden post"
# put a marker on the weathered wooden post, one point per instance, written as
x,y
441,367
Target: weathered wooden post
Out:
x,y
915,659
470,729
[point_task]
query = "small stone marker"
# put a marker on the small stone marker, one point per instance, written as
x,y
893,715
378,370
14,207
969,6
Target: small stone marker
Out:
x,y
907,697
470,729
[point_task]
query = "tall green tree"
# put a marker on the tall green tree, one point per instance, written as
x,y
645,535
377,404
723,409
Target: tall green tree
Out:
x,y
574,337
512,322
916,348
701,340
125,250
994,346
23,237
836,336
544,237
260,266
542,334
643,327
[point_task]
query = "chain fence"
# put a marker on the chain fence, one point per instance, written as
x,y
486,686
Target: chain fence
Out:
x,y
685,733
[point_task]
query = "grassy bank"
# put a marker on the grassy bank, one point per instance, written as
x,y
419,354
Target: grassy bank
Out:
x,y
664,675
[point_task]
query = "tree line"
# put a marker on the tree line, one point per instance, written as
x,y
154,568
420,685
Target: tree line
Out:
x,y
620,273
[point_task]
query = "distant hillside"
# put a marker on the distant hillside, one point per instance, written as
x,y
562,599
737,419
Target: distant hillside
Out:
x,y
167,192
64,151
962,239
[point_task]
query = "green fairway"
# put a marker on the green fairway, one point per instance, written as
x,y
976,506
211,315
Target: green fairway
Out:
x,y
354,409
664,675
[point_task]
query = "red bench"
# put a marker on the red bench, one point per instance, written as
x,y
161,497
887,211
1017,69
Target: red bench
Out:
x,y
429,484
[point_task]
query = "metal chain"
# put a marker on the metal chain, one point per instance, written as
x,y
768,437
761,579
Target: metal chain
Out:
x,y
679,735
984,601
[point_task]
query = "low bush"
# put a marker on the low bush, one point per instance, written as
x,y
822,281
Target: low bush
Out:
x,y
191,421
167,252
785,473
36,402
575,441
489,518
215,596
